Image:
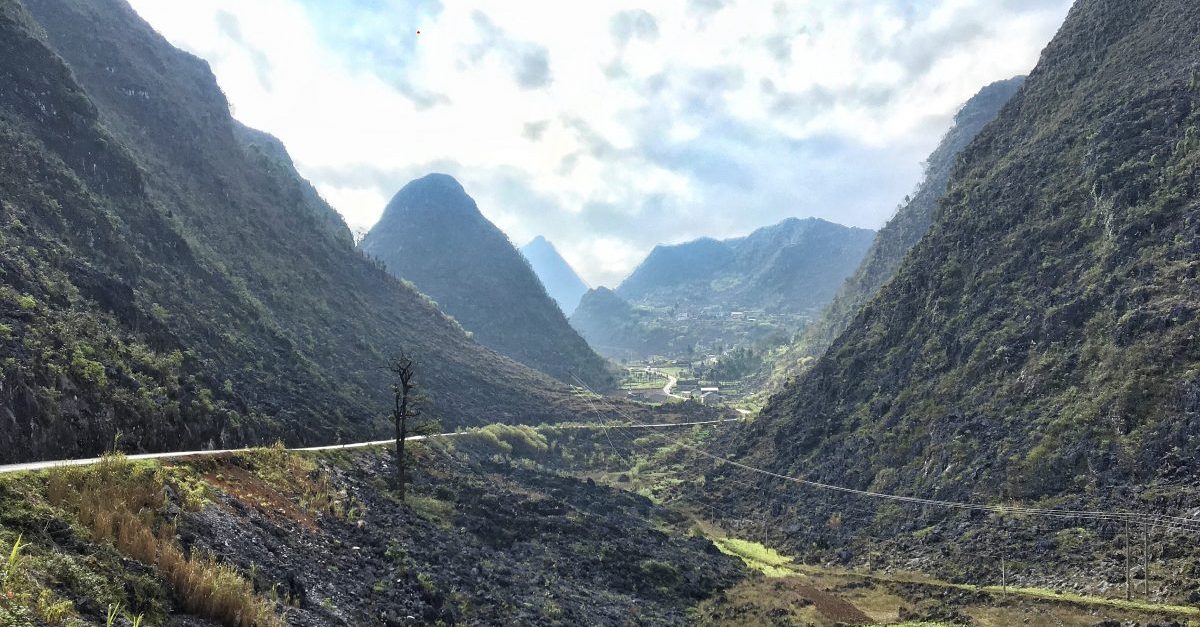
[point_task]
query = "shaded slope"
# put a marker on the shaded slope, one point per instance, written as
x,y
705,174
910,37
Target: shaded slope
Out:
x,y
433,234
559,278
164,278
673,266
617,330
1042,337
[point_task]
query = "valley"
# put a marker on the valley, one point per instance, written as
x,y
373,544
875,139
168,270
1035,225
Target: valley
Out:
x,y
250,383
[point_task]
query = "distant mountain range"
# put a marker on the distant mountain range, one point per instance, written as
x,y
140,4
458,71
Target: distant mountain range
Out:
x,y
558,277
433,234
167,275
794,266
684,297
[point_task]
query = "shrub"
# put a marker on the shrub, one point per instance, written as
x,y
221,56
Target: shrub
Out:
x,y
431,509
509,441
660,574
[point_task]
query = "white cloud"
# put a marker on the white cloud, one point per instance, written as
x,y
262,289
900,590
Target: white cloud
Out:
x,y
611,126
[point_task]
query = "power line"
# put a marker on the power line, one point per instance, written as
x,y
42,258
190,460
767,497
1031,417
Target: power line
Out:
x,y
1189,524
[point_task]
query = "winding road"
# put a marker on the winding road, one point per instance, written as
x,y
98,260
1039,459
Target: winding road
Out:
x,y
46,465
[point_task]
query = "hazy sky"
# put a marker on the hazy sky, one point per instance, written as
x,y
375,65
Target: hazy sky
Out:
x,y
610,126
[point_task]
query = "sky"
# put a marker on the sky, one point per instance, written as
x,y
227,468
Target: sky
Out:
x,y
610,126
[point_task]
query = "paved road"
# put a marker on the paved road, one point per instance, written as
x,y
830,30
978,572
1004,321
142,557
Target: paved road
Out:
x,y
31,466
671,381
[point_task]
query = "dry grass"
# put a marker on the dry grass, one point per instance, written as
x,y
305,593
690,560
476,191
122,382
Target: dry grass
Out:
x,y
281,483
119,502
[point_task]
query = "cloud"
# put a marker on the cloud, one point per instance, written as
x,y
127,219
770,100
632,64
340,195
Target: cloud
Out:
x,y
705,7
229,26
611,127
534,130
528,62
633,24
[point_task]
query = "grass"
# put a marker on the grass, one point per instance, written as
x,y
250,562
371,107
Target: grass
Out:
x,y
432,509
120,503
22,601
771,563
11,567
764,559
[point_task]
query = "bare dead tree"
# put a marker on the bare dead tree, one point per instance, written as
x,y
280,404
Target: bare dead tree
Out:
x,y
404,370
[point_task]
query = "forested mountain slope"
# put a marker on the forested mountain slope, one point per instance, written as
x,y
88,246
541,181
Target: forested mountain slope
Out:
x,y
168,276
794,266
1042,338
901,233
433,234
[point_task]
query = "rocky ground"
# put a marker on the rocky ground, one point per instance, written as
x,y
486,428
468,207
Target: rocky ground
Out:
x,y
476,542
328,540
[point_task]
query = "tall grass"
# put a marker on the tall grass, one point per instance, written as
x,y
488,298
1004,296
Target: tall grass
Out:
x,y
10,568
120,502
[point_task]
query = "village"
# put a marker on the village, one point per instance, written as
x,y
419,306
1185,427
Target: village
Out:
x,y
718,366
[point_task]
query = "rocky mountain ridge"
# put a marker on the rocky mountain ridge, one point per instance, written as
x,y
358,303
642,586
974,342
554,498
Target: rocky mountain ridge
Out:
x,y
560,279
433,234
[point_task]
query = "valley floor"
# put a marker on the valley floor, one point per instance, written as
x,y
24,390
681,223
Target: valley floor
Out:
x,y
503,526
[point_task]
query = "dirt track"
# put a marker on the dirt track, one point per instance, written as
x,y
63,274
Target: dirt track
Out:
x,y
833,607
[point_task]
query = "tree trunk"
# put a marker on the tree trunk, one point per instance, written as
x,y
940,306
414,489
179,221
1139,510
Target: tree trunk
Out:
x,y
401,417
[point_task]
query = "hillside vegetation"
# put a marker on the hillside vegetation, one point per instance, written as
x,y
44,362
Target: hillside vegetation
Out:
x,y
1041,339
899,235
168,275
433,234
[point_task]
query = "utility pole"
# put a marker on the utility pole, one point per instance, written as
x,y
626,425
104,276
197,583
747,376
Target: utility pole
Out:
x,y
1146,559
1004,560
1128,577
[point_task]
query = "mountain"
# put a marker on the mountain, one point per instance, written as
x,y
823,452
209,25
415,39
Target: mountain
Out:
x,y
619,331
433,234
794,266
902,232
563,285
168,276
1041,339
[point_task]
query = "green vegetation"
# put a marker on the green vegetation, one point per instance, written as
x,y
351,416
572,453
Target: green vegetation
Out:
x,y
170,275
1039,341
893,242
431,508
763,559
505,441
121,509
122,503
